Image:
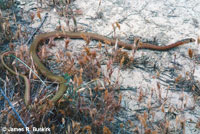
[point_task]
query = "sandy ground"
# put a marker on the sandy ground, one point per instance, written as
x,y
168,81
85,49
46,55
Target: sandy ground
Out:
x,y
165,21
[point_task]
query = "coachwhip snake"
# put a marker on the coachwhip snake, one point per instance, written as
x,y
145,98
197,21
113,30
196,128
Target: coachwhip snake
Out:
x,y
79,35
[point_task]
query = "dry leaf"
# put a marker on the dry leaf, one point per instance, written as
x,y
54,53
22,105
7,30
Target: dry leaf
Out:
x,y
88,127
87,50
178,78
68,54
38,14
85,38
34,76
58,59
105,94
142,121
121,125
121,61
67,43
106,130
93,54
107,42
62,112
140,96
147,131
118,26
32,15
80,80
11,46
190,53
130,123
162,108
120,99
99,45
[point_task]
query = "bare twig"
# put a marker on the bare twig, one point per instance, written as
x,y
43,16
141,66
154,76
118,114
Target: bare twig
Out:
x,y
4,88
36,30
20,119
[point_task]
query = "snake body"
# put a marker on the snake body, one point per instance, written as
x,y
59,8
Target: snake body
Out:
x,y
26,80
91,36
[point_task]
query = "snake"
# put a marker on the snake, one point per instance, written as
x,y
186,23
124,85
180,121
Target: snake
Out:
x,y
79,35
26,80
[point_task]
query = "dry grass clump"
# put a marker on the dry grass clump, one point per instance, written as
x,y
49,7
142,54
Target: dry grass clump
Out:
x,y
6,34
89,104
